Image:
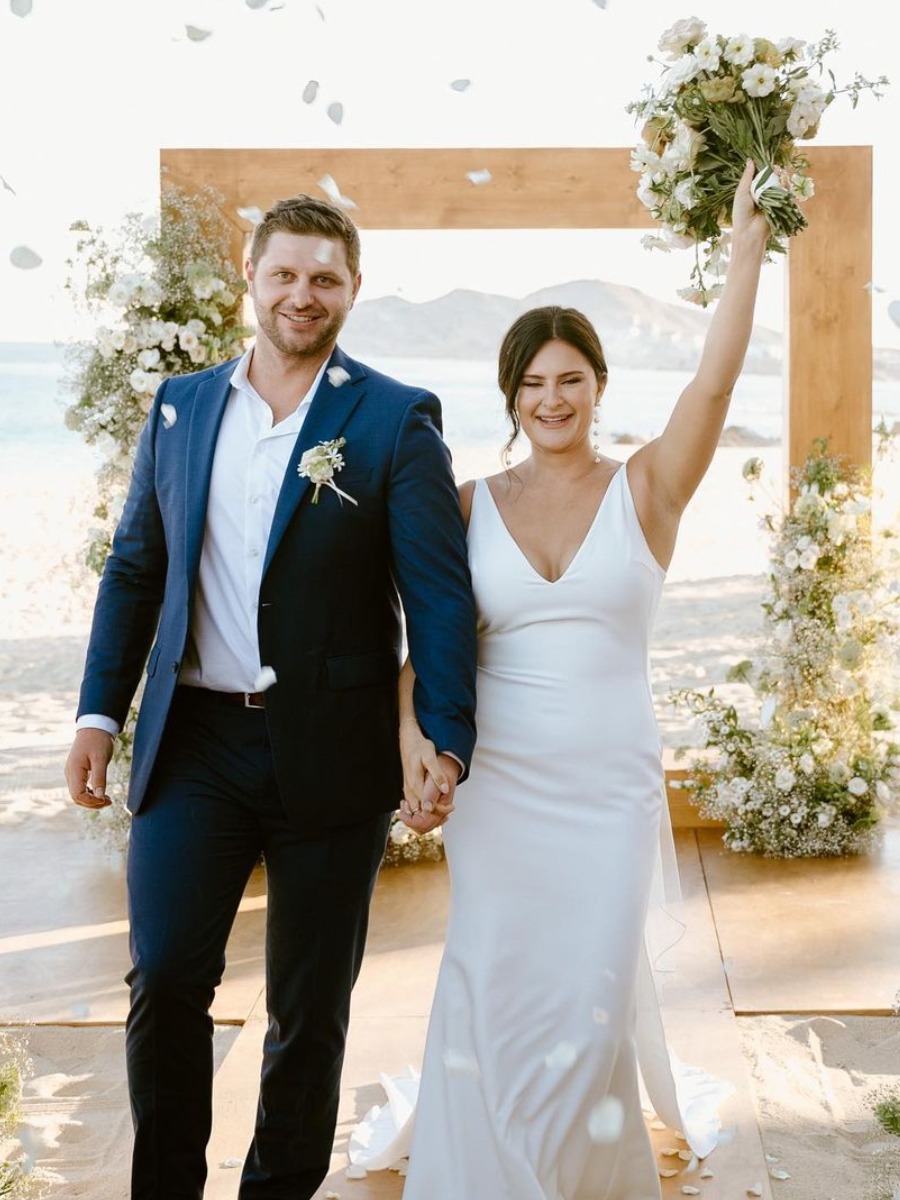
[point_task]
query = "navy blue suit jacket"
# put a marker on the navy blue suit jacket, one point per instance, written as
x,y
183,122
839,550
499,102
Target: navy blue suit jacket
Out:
x,y
335,577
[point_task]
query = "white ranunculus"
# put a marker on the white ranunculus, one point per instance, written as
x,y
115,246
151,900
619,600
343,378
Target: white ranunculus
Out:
x,y
680,72
708,54
857,786
686,32
739,50
759,80
802,119
785,779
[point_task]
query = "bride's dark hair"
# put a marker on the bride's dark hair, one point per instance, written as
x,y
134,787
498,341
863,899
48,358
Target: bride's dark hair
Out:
x,y
525,337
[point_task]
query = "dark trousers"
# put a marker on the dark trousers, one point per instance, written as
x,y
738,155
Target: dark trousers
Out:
x,y
213,808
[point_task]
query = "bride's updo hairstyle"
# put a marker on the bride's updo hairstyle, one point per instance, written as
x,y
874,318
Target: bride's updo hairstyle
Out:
x,y
525,337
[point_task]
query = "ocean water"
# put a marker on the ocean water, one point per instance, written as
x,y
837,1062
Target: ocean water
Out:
x,y
34,396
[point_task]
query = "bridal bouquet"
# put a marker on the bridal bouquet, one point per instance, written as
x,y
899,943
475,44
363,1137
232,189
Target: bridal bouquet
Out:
x,y
721,100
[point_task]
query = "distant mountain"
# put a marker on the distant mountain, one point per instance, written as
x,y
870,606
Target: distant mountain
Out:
x,y
637,330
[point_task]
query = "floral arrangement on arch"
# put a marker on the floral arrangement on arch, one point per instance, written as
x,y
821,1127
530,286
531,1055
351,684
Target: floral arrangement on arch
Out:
x,y
817,771
721,100
167,300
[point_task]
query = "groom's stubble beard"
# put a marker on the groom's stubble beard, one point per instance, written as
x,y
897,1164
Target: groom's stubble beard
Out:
x,y
302,344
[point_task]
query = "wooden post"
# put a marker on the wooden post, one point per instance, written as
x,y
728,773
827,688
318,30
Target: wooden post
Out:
x,y
829,327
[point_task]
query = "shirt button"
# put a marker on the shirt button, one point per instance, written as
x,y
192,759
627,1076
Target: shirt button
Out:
x,y
254,552
254,499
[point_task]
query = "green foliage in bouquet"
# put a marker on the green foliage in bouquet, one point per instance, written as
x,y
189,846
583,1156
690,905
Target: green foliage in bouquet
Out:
x,y
722,100
167,300
817,771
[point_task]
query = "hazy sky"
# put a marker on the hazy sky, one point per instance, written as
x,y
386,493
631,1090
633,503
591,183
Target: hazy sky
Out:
x,y
91,89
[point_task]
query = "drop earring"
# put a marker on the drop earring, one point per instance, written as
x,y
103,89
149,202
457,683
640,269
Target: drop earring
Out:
x,y
595,432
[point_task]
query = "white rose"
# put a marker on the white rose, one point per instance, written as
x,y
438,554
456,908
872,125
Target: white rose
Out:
x,y
686,32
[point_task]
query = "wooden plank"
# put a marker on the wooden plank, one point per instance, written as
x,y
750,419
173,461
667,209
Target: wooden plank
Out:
x,y
830,310
552,188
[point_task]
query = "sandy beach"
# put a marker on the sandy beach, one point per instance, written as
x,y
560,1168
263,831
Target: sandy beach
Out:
x,y
811,1076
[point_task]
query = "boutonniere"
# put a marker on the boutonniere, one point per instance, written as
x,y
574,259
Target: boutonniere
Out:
x,y
319,464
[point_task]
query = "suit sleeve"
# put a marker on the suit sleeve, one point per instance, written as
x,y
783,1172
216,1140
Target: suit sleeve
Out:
x,y
431,567
130,593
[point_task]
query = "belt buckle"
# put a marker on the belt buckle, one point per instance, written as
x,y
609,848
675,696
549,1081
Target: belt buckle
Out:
x,y
250,700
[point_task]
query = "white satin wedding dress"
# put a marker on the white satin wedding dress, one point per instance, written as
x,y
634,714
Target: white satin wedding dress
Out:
x,y
530,1087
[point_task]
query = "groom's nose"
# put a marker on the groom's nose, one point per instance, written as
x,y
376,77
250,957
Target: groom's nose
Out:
x,y
301,291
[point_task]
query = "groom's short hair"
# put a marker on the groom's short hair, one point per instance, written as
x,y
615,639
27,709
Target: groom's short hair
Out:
x,y
304,214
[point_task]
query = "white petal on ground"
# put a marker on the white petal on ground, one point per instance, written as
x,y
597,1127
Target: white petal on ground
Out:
x,y
685,1155
254,214
667,1172
332,1196
336,112
459,1063
310,91
669,1151
354,1171
333,192
461,85
562,1055
894,311
20,8
24,258
168,414
657,1124
690,1190
756,1190
337,376
9,187
195,34
264,679
778,1173
227,1163
606,1120
479,177
706,1173
772,1158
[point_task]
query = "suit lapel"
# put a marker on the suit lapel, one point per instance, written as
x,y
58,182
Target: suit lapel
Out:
x,y
206,417
328,414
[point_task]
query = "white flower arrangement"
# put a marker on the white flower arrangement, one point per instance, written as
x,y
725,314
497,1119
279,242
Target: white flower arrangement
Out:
x,y
405,846
721,100
319,464
167,300
817,772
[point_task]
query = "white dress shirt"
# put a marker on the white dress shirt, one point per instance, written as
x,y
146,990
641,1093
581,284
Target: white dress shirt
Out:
x,y
250,461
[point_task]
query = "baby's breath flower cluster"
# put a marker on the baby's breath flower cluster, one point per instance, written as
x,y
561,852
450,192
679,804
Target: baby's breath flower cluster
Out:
x,y
167,300
19,1180
721,100
818,771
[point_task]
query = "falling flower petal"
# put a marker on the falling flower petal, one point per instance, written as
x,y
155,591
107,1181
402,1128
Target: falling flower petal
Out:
x,y
7,185
479,177
354,1171
332,1196
253,214
310,91
256,3
690,1190
460,1064
264,679
778,1173
772,1158
607,1120
24,258
80,1011
872,286
333,192
706,1173
461,85
324,252
168,414
319,11
600,3
894,311
561,1056
336,112
20,8
756,1190
668,1172
337,376
227,1163
197,35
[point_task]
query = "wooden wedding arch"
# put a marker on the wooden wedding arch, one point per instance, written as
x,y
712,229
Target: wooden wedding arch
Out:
x,y
828,326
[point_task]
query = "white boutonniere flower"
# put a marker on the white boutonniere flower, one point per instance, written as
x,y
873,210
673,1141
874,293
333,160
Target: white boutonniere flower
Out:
x,y
319,464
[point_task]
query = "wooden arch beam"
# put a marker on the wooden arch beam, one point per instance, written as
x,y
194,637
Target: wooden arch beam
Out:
x,y
829,314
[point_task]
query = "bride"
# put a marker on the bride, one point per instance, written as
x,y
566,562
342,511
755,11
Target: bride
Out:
x,y
543,1021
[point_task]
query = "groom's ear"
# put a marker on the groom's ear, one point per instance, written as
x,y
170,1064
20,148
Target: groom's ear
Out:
x,y
356,286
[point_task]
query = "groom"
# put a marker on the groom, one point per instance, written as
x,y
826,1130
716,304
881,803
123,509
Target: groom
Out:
x,y
265,605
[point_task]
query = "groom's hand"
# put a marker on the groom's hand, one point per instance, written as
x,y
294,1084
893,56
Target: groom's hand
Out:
x,y
435,803
86,766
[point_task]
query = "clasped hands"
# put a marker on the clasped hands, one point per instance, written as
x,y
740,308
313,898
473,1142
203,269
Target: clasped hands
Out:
x,y
429,780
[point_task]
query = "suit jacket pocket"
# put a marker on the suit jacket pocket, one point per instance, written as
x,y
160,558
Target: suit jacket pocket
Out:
x,y
347,671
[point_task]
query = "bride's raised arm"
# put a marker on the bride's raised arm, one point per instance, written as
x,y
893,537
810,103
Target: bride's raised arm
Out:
x,y
672,466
